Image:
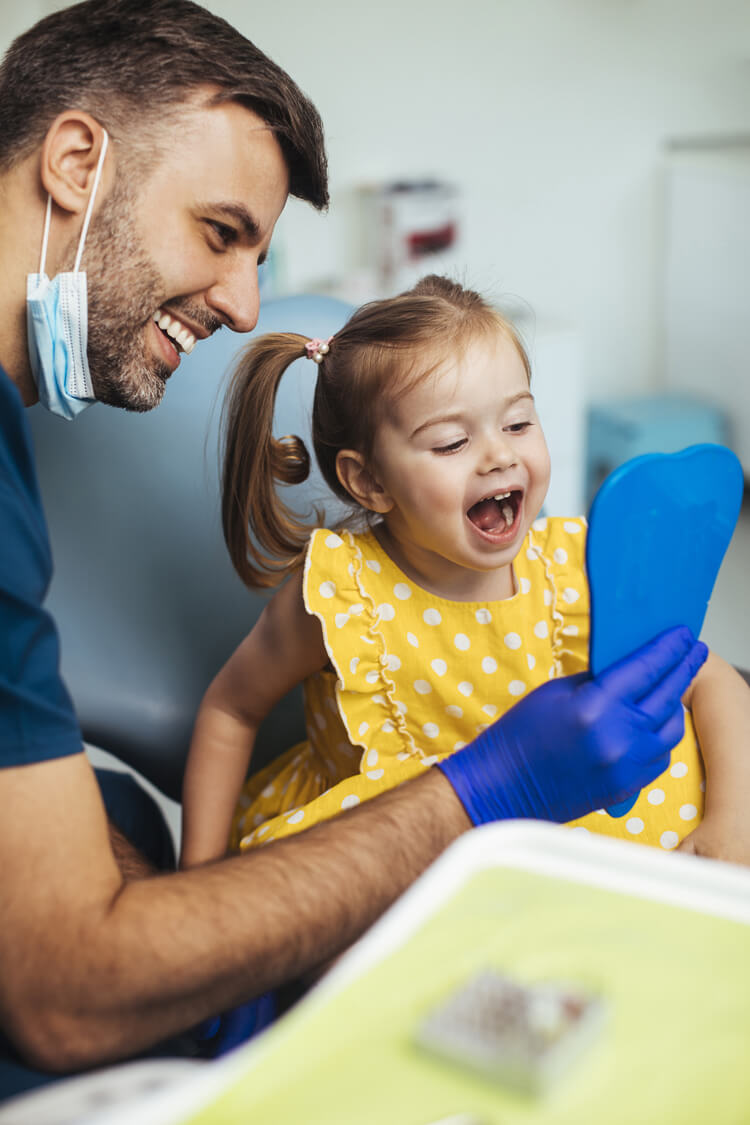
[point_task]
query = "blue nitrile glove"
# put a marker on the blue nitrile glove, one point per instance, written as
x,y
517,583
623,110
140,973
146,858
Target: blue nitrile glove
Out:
x,y
219,1034
580,743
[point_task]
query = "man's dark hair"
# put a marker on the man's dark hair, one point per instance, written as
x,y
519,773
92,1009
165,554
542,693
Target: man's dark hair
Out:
x,y
130,63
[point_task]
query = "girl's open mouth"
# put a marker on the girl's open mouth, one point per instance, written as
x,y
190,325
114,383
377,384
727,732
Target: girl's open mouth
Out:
x,y
497,514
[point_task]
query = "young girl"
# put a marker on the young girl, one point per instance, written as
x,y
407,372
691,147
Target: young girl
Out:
x,y
451,602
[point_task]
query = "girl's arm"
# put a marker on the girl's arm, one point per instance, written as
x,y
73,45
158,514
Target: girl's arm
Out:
x,y
719,699
284,647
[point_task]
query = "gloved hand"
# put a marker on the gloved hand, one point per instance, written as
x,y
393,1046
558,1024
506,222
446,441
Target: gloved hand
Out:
x,y
580,743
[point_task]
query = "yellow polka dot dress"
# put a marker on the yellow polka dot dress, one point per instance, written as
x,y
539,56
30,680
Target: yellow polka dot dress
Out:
x,y
414,677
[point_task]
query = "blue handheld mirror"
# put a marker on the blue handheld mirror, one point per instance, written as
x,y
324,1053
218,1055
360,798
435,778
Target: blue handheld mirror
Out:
x,y
659,528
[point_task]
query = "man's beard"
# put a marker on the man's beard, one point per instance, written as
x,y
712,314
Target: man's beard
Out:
x,y
124,291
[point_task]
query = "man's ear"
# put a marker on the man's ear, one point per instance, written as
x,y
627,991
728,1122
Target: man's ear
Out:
x,y
69,157
360,483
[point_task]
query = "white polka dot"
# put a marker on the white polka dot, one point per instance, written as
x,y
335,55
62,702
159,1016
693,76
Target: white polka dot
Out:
x,y
356,609
387,726
540,524
431,730
560,555
454,711
465,688
372,757
353,664
333,541
572,528
490,709
547,597
669,840
400,707
678,769
570,631
386,611
350,801
422,687
401,591
392,662
634,825
363,728
481,726
412,640
350,570
532,553
439,667
430,760
431,617
375,775
378,698
530,660
372,676
327,589
296,817
263,829
373,565
516,687
462,642
459,745
402,755
688,812
581,830
483,616
524,585
512,640
570,595
366,640
489,665
258,819
540,629
656,797
320,720
269,790
341,620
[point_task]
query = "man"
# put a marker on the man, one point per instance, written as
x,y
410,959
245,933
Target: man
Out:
x,y
149,142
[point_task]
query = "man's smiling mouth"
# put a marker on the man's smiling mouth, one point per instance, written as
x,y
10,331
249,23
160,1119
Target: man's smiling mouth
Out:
x,y
178,334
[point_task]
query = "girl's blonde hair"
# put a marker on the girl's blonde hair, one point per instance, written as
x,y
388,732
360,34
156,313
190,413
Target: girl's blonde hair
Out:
x,y
382,350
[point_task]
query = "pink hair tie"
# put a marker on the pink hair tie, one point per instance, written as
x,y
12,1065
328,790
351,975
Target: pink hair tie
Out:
x,y
316,349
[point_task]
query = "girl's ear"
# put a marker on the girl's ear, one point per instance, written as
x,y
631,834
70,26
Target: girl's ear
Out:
x,y
359,482
69,157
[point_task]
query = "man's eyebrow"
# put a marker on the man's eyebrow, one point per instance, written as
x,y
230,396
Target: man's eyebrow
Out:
x,y
456,415
240,214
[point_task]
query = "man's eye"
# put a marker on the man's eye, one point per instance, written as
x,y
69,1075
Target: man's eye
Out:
x,y
226,235
452,448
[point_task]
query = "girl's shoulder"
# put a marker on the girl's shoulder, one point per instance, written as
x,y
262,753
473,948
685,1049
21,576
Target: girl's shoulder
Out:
x,y
343,565
555,536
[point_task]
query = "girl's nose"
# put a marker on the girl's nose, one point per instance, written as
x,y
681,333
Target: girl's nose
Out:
x,y
497,453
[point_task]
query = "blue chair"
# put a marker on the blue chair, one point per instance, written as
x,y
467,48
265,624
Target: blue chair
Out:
x,y
145,598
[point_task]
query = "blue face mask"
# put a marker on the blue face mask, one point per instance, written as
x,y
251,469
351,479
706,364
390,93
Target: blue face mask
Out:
x,y
57,325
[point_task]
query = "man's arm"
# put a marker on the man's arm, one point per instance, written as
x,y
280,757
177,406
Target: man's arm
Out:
x,y
93,968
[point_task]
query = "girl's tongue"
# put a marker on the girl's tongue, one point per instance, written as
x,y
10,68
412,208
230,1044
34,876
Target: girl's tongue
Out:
x,y
491,515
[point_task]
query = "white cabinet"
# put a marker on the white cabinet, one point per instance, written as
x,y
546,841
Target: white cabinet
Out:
x,y
707,280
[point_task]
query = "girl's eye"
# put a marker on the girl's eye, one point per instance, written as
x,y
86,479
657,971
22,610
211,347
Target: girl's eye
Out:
x,y
518,427
452,448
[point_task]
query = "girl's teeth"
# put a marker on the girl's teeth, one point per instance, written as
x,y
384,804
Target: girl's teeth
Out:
x,y
507,513
501,496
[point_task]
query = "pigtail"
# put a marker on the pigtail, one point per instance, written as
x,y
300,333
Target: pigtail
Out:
x,y
265,539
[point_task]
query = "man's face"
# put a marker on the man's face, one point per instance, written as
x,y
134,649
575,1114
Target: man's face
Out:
x,y
180,248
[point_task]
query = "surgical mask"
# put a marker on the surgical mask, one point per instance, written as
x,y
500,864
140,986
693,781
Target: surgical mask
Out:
x,y
57,325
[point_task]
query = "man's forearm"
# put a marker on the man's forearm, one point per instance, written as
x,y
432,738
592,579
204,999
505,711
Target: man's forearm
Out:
x,y
174,949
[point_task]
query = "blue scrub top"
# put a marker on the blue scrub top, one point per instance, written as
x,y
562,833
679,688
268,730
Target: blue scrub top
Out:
x,y
37,720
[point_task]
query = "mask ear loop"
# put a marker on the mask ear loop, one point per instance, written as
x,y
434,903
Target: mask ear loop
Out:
x,y
87,216
92,197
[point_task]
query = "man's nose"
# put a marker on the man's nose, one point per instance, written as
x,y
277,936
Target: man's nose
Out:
x,y
235,297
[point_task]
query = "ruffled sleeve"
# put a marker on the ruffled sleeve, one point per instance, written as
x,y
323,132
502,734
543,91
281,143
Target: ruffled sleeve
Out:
x,y
561,550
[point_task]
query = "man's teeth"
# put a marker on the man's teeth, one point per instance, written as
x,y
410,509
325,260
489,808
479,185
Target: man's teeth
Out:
x,y
176,330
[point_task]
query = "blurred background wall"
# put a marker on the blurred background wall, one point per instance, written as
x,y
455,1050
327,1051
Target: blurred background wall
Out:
x,y
600,150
